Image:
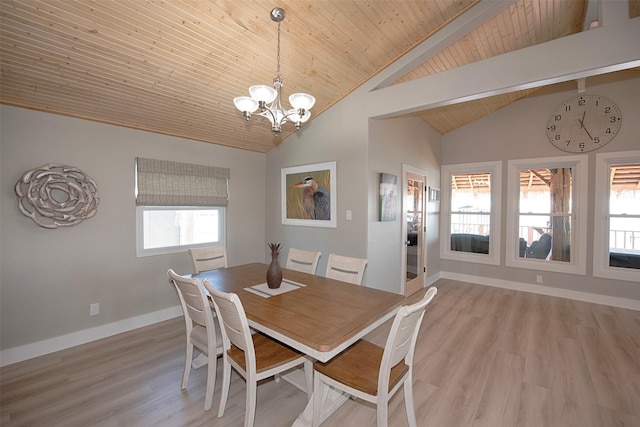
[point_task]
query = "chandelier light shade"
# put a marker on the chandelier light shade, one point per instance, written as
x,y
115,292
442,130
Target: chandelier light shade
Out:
x,y
269,99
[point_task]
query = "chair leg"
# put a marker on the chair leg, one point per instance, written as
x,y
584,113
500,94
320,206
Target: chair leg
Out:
x,y
408,402
211,380
308,374
187,365
317,400
250,406
383,410
226,381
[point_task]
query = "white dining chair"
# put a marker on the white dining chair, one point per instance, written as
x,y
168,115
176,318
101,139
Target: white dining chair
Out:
x,y
200,329
254,356
346,269
302,260
210,258
372,373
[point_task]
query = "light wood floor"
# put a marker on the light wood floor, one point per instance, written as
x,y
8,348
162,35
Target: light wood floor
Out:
x,y
485,357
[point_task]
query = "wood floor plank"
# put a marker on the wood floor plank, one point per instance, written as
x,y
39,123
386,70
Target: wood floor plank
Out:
x,y
485,357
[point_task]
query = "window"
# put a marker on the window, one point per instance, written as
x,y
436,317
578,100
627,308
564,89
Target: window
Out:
x,y
548,225
471,202
617,221
180,206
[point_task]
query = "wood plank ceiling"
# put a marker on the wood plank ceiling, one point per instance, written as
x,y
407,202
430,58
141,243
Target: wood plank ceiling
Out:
x,y
173,67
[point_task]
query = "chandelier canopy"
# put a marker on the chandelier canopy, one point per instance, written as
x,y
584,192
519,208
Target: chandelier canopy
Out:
x,y
268,99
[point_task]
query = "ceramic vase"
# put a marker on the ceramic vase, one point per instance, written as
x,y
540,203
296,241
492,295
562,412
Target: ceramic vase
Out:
x,y
274,272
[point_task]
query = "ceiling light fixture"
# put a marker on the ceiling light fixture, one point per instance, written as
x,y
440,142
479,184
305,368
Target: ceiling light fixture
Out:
x,y
261,95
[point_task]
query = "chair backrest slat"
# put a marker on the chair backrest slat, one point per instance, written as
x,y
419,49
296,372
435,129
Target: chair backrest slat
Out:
x,y
304,261
346,269
211,258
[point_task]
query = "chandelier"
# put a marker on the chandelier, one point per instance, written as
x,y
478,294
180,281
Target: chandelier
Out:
x,y
268,99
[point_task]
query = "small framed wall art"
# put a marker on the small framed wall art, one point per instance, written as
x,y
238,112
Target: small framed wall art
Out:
x,y
434,194
388,197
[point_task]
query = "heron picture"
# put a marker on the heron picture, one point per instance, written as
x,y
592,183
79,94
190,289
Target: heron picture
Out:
x,y
308,195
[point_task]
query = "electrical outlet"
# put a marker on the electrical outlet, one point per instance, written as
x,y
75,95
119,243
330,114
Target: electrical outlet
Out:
x,y
539,278
348,215
94,309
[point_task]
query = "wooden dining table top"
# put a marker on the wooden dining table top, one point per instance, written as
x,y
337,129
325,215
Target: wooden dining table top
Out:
x,y
320,319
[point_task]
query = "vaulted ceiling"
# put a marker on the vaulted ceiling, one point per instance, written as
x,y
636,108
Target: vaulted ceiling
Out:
x,y
173,67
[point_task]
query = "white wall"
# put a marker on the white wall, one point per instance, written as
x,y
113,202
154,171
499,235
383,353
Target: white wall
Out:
x,y
48,277
519,132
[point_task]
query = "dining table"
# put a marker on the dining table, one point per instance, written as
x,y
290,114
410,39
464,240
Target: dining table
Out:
x,y
315,315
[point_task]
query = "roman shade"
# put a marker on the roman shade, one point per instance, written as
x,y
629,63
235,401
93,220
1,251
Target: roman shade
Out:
x,y
168,183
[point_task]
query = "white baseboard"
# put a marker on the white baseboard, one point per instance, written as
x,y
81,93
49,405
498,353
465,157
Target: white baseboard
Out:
x,y
29,351
546,290
430,280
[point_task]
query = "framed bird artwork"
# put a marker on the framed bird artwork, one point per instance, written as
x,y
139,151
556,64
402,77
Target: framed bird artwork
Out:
x,y
309,195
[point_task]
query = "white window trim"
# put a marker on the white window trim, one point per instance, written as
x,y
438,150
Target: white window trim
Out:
x,y
141,252
495,169
577,265
601,266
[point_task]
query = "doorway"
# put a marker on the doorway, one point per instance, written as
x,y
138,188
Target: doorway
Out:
x,y
414,229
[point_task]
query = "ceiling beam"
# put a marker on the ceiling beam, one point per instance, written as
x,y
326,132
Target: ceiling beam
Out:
x,y
611,47
473,18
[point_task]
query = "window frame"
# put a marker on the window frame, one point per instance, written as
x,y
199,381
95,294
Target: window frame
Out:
x,y
601,267
495,171
578,216
142,252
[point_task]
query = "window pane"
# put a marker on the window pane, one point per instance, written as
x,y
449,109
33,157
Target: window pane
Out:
x,y
470,212
624,214
172,227
534,226
471,222
471,192
625,234
544,225
624,192
537,194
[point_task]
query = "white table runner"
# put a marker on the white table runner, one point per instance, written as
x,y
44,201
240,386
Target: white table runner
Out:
x,y
265,291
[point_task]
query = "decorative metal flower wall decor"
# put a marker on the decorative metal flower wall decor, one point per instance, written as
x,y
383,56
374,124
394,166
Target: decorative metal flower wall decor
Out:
x,y
56,195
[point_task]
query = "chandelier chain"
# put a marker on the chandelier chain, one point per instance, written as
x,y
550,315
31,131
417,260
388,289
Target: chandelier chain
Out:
x,y
278,53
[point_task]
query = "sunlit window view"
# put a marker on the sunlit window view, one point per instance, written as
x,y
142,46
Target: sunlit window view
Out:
x,y
179,227
545,214
470,212
624,216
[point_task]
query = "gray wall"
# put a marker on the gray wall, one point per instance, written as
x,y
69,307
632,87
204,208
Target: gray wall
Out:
x,y
394,143
519,132
339,134
48,278
361,149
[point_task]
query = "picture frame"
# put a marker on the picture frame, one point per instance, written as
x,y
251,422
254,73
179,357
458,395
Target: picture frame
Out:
x,y
434,194
309,195
388,198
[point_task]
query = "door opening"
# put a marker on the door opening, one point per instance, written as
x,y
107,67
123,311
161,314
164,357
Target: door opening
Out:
x,y
414,230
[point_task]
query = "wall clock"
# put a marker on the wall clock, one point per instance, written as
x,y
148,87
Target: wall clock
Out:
x,y
584,123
